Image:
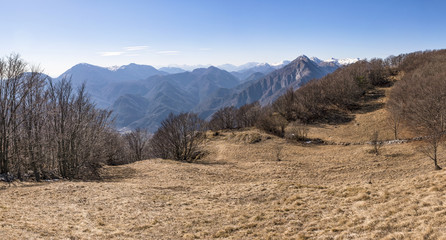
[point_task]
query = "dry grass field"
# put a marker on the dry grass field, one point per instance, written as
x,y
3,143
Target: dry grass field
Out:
x,y
240,191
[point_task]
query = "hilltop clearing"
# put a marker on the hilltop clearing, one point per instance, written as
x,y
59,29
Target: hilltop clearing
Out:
x,y
250,185
240,191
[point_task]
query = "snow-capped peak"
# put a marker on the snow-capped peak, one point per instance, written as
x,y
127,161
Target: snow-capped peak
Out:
x,y
316,60
341,62
113,68
347,61
279,64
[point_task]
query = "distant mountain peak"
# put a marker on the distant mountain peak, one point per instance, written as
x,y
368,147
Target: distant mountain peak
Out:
x,y
339,62
113,68
347,61
213,68
316,60
171,70
85,65
280,64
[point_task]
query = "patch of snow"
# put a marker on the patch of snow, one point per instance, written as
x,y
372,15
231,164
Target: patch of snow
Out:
x,y
113,68
316,60
344,61
280,64
347,61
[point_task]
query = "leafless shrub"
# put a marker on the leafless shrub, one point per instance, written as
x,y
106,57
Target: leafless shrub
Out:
x,y
376,143
179,137
287,105
247,115
233,118
296,132
118,151
272,122
225,118
137,142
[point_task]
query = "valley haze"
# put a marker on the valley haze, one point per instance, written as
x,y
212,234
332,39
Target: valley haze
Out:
x,y
141,96
223,119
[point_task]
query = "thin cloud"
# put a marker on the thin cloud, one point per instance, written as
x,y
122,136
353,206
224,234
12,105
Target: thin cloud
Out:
x,y
205,49
168,52
135,48
108,54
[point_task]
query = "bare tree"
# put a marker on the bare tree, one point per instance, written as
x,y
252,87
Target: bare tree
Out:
x,y
232,118
61,97
286,105
225,118
34,112
12,95
78,130
137,141
179,137
46,127
429,147
376,143
117,152
394,116
272,122
422,102
247,115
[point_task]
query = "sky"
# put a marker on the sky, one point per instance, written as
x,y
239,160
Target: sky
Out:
x,y
58,34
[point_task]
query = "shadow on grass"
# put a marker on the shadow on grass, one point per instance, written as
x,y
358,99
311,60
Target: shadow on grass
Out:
x,y
117,173
395,155
370,107
210,162
336,117
25,184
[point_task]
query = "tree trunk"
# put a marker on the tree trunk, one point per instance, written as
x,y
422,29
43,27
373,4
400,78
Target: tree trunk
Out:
x,y
436,165
435,159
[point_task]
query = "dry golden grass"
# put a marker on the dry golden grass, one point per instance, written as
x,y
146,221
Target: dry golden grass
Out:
x,y
241,191
366,121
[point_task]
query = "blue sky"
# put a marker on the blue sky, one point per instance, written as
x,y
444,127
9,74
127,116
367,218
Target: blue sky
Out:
x,y
57,34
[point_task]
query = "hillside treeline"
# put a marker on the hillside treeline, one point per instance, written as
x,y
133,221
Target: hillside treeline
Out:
x,y
418,100
331,98
323,100
50,130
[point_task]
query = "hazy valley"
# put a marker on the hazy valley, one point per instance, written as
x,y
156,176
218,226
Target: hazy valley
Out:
x,y
142,96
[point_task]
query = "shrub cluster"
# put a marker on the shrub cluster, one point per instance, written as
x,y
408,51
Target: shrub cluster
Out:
x,y
179,138
233,118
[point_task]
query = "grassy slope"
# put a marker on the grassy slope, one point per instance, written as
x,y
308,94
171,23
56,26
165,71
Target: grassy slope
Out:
x,y
240,191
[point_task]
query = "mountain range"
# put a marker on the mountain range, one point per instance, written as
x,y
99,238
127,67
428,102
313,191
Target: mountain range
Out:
x,y
142,96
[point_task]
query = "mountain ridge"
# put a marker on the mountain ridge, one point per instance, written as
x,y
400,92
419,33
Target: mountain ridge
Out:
x,y
268,88
142,96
